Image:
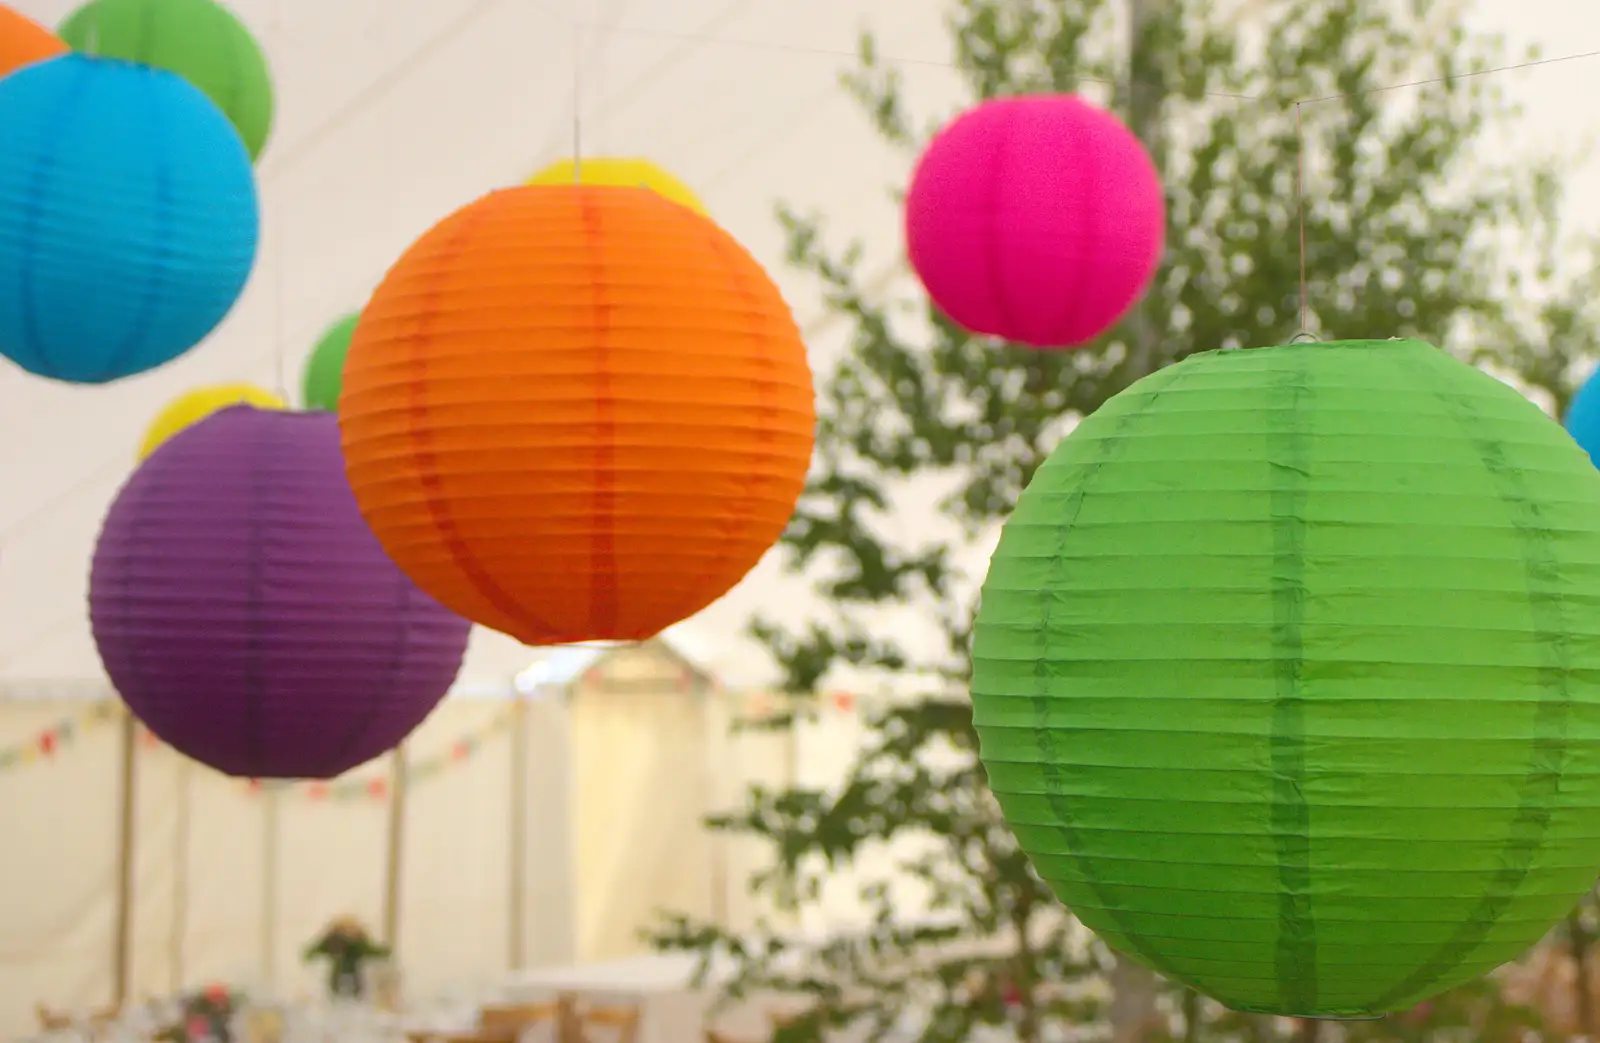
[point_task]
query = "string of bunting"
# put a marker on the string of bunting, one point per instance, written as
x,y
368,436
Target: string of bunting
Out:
x,y
47,743
764,704
377,787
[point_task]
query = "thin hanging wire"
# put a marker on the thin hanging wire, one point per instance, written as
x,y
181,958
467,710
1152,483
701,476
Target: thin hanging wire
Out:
x,y
280,289
577,102
1300,206
280,303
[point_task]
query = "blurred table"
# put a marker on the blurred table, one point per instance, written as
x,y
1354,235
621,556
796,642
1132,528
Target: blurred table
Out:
x,y
661,985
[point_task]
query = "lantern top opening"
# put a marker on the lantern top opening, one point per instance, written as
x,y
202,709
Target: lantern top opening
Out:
x,y
1296,344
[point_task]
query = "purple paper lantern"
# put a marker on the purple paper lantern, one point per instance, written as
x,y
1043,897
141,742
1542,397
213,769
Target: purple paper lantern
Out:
x,y
248,616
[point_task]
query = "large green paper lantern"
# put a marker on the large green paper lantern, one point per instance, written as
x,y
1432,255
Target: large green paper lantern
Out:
x,y
324,373
199,40
1287,674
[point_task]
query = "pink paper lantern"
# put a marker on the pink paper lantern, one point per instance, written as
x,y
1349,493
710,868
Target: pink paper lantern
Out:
x,y
1039,219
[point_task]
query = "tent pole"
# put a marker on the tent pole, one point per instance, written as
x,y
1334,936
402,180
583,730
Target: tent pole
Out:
x,y
180,881
394,847
271,835
122,940
719,752
517,899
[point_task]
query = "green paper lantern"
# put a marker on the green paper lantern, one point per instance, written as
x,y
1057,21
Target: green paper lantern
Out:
x,y
324,374
1287,674
198,39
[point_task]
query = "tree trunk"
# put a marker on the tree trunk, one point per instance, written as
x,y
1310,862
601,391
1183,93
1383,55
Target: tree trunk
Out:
x,y
1134,990
1578,942
1191,1016
1144,101
1134,1017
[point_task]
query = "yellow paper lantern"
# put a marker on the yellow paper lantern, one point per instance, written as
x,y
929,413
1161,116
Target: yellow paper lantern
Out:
x,y
194,406
619,172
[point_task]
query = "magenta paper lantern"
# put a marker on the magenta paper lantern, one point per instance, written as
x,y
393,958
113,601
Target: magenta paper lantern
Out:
x,y
1039,219
248,616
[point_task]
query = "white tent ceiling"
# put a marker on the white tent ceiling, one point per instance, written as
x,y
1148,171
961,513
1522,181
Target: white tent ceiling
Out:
x,y
391,114
394,112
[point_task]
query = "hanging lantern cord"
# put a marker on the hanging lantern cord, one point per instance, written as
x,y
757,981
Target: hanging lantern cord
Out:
x,y
577,102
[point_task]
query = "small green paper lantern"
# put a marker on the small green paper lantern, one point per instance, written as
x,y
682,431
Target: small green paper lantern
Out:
x,y
1287,674
199,40
324,374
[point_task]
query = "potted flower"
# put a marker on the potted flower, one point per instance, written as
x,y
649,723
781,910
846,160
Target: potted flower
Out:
x,y
347,947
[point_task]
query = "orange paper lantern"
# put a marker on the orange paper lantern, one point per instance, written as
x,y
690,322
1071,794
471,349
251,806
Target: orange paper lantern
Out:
x,y
24,41
577,413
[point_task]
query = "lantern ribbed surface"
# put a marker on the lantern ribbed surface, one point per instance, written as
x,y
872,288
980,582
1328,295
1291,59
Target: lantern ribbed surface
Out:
x,y
128,218
1287,674
577,412
246,614
1038,218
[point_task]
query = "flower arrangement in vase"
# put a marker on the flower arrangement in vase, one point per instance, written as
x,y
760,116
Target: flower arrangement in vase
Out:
x,y
205,1016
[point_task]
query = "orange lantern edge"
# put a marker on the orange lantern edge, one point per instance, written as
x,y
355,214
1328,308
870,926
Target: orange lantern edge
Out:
x,y
577,413
24,41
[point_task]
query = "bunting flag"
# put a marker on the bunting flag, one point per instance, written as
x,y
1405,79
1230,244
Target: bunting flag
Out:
x,y
46,744
375,787
760,705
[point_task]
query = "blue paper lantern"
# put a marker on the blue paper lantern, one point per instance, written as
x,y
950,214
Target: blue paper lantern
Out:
x,y
1583,417
128,218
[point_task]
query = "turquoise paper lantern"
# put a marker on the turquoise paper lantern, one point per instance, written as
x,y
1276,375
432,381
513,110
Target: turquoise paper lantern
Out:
x,y
1583,417
1287,674
128,218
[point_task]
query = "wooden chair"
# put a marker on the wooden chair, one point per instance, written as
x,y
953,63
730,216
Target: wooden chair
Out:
x,y
53,1020
713,1036
622,1021
776,1019
92,1026
506,1023
101,1019
263,1025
